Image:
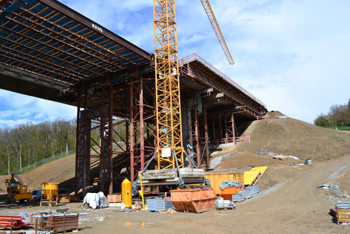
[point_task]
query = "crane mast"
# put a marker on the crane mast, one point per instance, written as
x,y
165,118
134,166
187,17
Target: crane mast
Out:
x,y
217,30
168,103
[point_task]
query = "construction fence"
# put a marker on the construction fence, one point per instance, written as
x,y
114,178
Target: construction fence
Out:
x,y
42,161
340,128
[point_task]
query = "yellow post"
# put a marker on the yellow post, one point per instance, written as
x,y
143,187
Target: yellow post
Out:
x,y
126,193
141,193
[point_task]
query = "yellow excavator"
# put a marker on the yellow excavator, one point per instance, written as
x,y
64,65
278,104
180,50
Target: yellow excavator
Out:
x,y
16,190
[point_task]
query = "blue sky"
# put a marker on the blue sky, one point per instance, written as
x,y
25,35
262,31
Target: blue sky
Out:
x,y
291,54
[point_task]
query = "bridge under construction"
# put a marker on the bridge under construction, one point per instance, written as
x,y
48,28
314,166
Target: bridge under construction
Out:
x,y
51,51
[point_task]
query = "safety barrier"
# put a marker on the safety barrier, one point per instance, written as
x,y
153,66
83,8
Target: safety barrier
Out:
x,y
42,161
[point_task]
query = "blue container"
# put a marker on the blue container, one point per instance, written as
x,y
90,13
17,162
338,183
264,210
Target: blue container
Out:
x,y
37,193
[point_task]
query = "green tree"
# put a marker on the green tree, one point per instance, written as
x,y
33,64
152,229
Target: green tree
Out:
x,y
322,120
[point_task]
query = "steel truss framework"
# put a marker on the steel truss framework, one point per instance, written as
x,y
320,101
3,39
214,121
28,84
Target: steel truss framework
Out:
x,y
169,129
49,39
105,109
208,129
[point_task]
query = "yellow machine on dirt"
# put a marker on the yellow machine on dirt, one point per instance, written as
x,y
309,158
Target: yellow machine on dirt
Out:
x,y
16,190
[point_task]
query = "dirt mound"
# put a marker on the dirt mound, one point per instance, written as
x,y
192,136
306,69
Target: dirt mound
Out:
x,y
273,114
295,137
282,136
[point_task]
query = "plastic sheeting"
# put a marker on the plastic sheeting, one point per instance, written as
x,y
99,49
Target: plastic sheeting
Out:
x,y
96,200
246,193
230,183
342,205
253,189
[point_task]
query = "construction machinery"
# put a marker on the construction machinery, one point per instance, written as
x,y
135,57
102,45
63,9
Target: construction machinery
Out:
x,y
49,194
16,190
171,169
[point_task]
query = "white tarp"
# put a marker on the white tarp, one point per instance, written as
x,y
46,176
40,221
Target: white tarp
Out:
x,y
96,200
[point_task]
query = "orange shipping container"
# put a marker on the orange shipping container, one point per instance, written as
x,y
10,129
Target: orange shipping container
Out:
x,y
227,193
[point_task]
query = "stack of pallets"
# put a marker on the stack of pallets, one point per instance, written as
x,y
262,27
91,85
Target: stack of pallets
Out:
x,y
343,212
62,222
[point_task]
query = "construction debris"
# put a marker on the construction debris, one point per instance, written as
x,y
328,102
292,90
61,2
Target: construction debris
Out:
x,y
170,211
261,152
246,193
333,189
224,204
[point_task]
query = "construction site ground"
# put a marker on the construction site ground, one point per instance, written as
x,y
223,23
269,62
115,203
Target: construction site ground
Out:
x,y
288,202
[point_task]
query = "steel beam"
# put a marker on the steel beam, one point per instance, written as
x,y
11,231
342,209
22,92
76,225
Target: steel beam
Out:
x,y
56,5
198,146
206,138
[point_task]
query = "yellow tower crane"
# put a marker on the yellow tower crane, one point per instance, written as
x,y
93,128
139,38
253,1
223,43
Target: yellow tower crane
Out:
x,y
168,102
170,151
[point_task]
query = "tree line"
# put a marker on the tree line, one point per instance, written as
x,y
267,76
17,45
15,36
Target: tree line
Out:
x,y
338,115
28,143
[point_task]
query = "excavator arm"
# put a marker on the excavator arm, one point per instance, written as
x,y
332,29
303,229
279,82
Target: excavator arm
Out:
x,y
217,30
16,178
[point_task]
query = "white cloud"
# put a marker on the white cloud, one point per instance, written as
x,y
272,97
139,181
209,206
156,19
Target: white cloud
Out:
x,y
17,109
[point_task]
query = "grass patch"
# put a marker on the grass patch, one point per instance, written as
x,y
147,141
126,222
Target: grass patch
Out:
x,y
71,170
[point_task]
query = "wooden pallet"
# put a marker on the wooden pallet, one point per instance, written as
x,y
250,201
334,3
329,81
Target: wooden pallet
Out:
x,y
343,215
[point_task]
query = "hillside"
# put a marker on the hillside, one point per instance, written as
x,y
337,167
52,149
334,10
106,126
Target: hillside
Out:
x,y
288,137
282,136
57,171
297,138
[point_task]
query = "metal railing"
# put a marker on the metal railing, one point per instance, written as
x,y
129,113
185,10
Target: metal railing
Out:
x,y
42,161
194,57
243,139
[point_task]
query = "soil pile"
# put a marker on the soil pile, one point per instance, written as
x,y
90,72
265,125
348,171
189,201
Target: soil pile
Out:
x,y
295,137
284,137
273,114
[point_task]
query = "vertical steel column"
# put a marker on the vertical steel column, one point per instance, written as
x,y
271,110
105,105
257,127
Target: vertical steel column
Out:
x,y
85,139
213,120
233,128
206,137
110,140
102,142
142,137
77,153
226,130
132,169
196,123
220,127
189,138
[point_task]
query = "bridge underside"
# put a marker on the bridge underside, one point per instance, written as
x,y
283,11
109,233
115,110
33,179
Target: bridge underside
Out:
x,y
53,52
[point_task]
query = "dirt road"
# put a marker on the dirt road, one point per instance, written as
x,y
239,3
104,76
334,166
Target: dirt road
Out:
x,y
294,206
